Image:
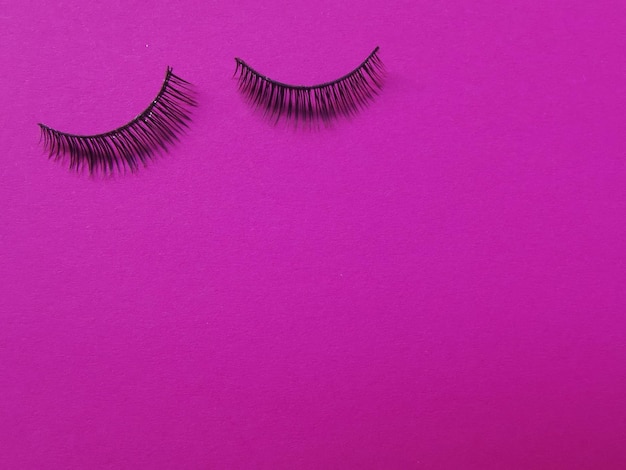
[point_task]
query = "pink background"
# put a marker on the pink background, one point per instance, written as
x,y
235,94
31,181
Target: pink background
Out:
x,y
438,283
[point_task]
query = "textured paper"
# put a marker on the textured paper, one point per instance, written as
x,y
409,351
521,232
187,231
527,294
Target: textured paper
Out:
x,y
438,283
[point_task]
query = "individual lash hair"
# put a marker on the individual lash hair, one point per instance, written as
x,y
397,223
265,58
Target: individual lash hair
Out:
x,y
134,143
309,104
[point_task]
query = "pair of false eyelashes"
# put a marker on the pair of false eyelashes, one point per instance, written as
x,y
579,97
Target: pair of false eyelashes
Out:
x,y
169,114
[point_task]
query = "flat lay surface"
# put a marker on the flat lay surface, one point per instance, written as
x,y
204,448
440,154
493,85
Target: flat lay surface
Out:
x,y
437,282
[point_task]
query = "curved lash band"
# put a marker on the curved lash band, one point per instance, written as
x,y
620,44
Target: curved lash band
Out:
x,y
326,101
140,140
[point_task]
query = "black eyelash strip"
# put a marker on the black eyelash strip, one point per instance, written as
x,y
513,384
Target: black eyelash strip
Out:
x,y
139,141
341,97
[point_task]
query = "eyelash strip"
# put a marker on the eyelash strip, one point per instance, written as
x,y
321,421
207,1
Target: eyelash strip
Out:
x,y
341,97
135,142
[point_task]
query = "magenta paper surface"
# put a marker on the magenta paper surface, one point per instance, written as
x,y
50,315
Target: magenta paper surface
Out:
x,y
438,283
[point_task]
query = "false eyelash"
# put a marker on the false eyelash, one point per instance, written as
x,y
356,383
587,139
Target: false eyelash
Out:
x,y
133,143
327,101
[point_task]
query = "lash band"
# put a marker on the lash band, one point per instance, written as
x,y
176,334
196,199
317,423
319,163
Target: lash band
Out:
x,y
141,116
243,64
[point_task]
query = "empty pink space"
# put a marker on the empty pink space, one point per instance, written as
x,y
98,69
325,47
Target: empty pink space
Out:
x,y
436,283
